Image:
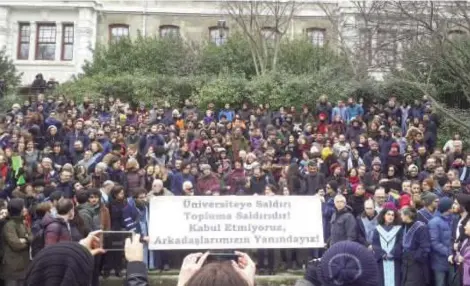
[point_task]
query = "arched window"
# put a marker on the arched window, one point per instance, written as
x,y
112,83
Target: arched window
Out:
x,y
169,31
118,31
455,34
316,36
218,35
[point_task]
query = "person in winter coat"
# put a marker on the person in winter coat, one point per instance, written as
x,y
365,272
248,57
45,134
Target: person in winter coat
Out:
x,y
236,180
416,248
208,183
366,224
387,245
343,223
179,178
133,178
57,229
116,206
16,239
462,258
136,218
314,180
440,231
430,203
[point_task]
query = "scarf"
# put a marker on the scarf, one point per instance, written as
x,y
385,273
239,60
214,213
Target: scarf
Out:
x,y
426,214
410,233
369,226
387,242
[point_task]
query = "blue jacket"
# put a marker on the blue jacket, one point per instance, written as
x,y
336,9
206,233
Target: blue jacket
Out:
x,y
229,114
151,140
441,241
177,183
354,111
74,136
131,217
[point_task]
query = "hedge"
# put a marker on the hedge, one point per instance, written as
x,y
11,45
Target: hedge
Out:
x,y
278,89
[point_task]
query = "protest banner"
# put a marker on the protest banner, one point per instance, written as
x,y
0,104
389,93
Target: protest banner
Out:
x,y
235,222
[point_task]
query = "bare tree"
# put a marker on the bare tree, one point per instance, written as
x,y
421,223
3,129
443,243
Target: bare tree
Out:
x,y
264,24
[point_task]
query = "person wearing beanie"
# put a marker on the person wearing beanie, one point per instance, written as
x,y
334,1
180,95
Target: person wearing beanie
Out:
x,y
16,239
72,263
387,245
346,263
373,177
440,231
430,201
416,249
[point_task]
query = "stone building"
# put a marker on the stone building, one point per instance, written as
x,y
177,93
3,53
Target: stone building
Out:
x,y
55,37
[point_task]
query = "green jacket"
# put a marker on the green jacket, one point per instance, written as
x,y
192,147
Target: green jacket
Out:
x,y
15,253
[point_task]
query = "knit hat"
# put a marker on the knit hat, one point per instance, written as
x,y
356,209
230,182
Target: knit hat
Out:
x,y
389,206
65,263
348,263
428,198
445,204
376,161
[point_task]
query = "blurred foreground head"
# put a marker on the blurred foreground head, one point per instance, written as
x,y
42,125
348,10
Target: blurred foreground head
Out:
x,y
216,274
346,263
62,264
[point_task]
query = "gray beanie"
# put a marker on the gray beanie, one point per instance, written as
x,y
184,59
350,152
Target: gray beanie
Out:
x,y
428,198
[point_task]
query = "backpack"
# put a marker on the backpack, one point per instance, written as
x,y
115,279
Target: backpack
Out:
x,y
38,230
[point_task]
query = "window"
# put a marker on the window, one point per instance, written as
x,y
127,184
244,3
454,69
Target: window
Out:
x,y
386,49
67,42
46,42
316,36
23,41
268,33
218,36
169,31
118,31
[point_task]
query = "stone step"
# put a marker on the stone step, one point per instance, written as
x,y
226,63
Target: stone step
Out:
x,y
281,279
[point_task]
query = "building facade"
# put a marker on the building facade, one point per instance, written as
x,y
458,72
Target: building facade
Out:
x,y
56,37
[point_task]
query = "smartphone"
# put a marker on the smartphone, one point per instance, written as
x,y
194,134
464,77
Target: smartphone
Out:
x,y
221,256
115,240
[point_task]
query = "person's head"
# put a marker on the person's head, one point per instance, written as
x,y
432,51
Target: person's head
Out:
x,y
108,186
388,216
340,202
188,188
445,205
118,193
157,186
66,263
15,207
270,190
408,214
457,146
369,208
428,185
65,176
55,197
65,209
345,263
380,196
430,200
140,197
94,197
218,273
42,209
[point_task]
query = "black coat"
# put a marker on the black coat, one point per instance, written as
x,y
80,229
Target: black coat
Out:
x,y
314,182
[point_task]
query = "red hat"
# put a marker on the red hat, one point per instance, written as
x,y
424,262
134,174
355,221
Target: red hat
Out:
x,y
390,206
322,116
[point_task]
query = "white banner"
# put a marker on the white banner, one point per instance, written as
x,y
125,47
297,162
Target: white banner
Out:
x,y
235,222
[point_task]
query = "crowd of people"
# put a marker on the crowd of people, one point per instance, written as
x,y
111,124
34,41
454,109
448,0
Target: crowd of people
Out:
x,y
69,168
